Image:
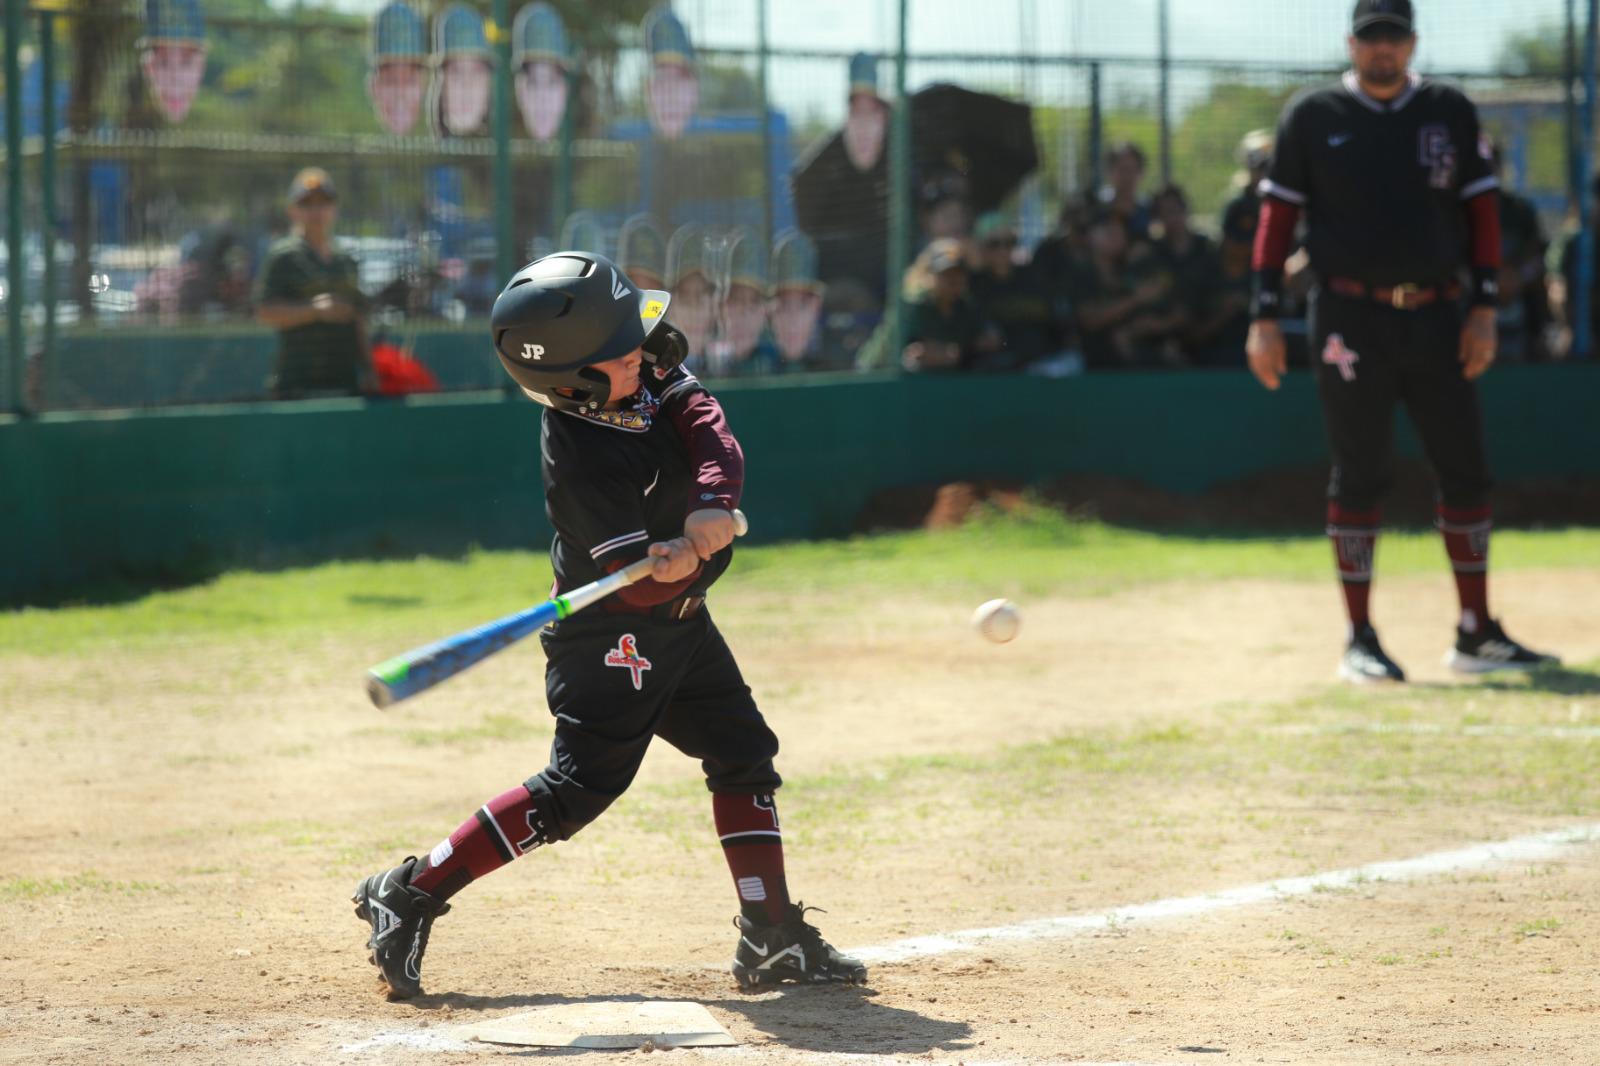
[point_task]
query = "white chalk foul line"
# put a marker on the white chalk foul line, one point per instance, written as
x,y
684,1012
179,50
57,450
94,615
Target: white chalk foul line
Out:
x,y
1520,849
1476,857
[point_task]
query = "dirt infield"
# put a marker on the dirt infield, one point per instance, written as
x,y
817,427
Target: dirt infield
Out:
x,y
185,827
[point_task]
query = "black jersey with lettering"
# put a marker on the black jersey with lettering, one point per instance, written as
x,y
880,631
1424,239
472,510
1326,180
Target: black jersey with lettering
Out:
x,y
1383,183
616,482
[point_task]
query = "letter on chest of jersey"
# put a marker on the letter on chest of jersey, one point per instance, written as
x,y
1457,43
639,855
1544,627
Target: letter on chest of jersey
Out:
x,y
1437,152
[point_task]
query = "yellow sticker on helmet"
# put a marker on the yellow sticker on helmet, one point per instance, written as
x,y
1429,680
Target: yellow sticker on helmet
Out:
x,y
653,309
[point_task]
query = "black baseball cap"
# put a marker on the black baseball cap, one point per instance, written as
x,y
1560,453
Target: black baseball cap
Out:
x,y
1370,13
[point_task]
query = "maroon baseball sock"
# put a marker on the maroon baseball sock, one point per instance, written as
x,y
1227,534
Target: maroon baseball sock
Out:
x,y
1466,539
1355,538
753,845
499,831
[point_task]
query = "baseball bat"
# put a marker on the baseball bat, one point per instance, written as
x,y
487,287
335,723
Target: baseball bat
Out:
x,y
422,668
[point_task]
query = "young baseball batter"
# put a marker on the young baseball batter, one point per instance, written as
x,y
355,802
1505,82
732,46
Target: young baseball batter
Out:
x,y
637,460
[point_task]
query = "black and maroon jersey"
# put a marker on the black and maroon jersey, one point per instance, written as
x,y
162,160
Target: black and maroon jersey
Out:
x,y
617,481
1383,184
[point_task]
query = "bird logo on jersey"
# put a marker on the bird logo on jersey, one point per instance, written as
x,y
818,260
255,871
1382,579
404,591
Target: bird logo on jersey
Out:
x,y
626,656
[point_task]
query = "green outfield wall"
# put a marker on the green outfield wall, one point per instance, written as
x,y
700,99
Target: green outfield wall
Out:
x,y
183,491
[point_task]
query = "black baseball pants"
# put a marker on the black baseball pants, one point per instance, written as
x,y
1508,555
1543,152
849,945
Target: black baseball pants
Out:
x,y
616,681
1369,358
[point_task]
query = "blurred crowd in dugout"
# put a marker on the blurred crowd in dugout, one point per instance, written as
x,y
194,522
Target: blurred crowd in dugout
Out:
x,y
1125,281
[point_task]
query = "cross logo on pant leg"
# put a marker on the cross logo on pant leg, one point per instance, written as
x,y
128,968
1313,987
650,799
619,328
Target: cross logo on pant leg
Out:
x,y
1334,353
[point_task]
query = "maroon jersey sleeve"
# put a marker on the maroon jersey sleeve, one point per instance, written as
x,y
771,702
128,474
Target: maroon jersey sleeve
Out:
x,y
715,458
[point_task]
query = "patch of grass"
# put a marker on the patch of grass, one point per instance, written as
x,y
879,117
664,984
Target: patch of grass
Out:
x,y
492,727
1539,927
14,889
1034,552
1548,776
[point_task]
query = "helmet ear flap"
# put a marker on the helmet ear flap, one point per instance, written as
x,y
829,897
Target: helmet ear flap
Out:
x,y
666,348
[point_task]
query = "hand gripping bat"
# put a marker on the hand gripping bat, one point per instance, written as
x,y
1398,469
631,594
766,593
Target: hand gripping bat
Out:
x,y
422,668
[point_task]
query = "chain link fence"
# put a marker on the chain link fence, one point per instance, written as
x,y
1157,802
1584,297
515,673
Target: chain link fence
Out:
x,y
740,153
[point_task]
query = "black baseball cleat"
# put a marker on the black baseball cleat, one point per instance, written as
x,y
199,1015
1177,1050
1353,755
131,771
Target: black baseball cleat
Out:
x,y
1489,650
1365,661
792,950
401,918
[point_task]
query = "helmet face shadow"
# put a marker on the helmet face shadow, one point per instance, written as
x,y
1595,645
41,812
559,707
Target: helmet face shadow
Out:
x,y
562,314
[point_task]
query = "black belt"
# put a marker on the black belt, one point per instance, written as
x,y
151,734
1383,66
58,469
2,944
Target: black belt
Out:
x,y
675,610
679,609
1405,297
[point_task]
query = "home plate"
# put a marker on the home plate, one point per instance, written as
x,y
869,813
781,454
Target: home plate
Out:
x,y
606,1024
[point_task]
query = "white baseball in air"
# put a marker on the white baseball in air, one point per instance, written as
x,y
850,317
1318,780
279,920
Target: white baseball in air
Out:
x,y
997,620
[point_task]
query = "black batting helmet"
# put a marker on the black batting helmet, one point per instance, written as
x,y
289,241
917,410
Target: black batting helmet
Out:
x,y
561,314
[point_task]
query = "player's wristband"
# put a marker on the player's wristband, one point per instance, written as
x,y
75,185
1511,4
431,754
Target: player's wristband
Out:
x,y
1485,287
1267,299
708,500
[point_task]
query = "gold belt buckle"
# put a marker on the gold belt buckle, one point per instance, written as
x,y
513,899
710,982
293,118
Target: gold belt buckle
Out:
x,y
1401,296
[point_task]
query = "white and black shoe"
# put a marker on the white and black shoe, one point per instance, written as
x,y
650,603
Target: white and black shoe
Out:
x,y
793,950
1365,662
401,918
1490,650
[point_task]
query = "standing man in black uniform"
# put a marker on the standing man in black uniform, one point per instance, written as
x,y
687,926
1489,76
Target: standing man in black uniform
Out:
x,y
1395,180
637,460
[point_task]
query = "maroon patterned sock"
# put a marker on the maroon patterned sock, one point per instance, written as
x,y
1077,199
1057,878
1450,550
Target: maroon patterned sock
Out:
x,y
1355,538
507,826
753,845
1466,540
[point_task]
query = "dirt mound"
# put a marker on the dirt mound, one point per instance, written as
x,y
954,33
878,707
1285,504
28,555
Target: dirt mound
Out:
x,y
1288,499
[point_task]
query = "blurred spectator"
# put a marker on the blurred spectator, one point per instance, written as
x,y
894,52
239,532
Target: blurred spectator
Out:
x,y
1566,296
642,252
851,312
308,292
797,297
1125,301
418,288
944,329
1125,167
1195,265
542,59
1014,297
215,278
1060,255
743,346
466,71
694,304
944,208
172,54
478,287
674,84
398,78
1523,318
1239,220
209,275
868,119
